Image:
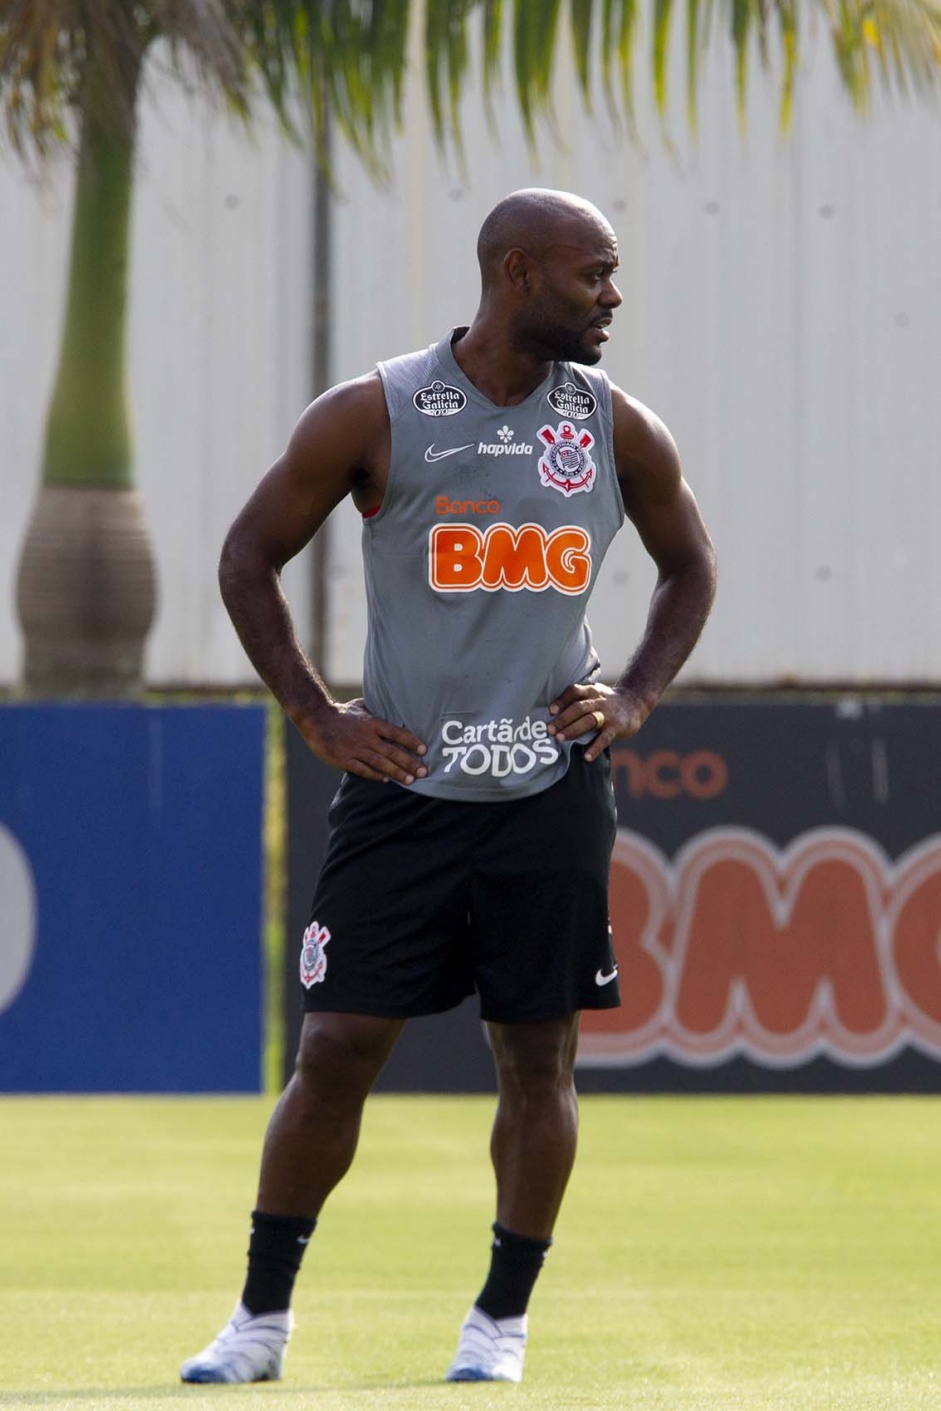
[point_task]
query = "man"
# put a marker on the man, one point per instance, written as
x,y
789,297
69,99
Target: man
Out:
x,y
492,471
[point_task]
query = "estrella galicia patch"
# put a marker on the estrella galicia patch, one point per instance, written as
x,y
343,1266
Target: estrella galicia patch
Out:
x,y
439,399
573,402
566,465
313,956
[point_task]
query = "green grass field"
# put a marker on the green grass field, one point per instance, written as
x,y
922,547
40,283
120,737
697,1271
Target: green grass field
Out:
x,y
714,1254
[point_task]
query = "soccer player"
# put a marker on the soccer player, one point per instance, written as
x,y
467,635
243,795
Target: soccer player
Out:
x,y
472,830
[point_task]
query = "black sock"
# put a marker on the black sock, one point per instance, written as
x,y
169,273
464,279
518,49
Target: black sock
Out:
x,y
515,1261
275,1251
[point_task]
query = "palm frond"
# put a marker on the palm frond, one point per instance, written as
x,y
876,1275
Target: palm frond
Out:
x,y
303,57
447,58
693,45
582,20
492,54
535,27
897,40
662,14
46,47
787,20
623,32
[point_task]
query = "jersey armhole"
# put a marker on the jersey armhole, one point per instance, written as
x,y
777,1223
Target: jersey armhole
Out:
x,y
395,407
603,385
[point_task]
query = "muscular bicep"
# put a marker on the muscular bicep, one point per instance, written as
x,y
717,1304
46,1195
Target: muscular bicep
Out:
x,y
657,499
330,452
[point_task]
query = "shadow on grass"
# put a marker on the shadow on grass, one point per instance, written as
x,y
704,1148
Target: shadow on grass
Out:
x,y
190,1389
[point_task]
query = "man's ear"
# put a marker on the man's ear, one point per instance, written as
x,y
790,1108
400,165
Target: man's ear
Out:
x,y
516,268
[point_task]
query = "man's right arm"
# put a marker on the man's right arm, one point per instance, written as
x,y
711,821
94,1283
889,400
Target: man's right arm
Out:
x,y
336,449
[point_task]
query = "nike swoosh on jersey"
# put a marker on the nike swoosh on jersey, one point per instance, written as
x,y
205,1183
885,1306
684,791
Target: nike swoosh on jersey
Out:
x,y
432,455
601,979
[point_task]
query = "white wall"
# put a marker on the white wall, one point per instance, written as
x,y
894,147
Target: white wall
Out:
x,y
781,312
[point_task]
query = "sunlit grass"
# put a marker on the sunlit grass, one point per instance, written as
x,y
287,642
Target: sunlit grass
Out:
x,y
714,1254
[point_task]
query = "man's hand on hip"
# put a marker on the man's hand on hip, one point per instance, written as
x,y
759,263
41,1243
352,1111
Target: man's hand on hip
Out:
x,y
347,736
594,709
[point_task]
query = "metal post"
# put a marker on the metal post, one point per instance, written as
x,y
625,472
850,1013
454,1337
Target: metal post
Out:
x,y
322,275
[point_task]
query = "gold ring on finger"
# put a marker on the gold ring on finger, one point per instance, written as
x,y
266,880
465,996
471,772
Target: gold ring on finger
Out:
x,y
598,717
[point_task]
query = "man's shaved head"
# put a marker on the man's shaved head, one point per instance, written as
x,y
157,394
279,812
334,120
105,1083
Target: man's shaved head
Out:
x,y
534,220
547,263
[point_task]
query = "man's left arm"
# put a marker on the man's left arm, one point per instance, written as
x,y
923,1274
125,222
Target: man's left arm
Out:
x,y
665,514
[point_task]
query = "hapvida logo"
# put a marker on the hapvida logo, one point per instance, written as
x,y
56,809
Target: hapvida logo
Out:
x,y
502,448
506,445
736,948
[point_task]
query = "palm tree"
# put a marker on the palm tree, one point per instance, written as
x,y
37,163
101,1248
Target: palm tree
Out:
x,y
71,71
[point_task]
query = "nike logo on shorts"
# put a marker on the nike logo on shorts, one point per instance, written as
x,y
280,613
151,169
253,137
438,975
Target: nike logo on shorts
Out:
x,y
432,455
601,979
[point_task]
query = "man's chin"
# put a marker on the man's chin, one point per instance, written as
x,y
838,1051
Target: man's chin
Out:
x,y
562,346
585,355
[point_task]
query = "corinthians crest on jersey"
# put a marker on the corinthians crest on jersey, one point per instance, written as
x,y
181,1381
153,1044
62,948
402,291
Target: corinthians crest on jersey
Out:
x,y
566,465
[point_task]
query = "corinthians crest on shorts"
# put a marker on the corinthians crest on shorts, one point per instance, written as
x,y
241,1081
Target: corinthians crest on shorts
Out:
x,y
566,464
313,958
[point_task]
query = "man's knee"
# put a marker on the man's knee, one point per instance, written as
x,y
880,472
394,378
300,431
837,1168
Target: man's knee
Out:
x,y
340,1056
536,1057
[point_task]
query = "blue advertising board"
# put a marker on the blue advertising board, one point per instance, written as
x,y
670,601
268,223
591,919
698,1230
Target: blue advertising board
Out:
x,y
131,897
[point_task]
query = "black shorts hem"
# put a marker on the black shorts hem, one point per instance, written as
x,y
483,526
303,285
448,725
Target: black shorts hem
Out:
x,y
542,1016
384,1011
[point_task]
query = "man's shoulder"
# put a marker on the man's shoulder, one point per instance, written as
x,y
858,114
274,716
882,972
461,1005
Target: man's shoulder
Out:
x,y
356,397
422,379
634,419
350,413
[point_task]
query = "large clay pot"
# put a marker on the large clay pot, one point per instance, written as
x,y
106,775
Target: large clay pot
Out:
x,y
86,592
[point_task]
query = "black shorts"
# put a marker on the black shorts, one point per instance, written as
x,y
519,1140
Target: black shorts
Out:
x,y
421,901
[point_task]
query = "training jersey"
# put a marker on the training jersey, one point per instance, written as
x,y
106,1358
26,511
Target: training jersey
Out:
x,y
479,564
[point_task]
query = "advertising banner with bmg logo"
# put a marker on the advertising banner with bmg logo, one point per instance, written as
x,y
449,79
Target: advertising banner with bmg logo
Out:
x,y
775,901
131,898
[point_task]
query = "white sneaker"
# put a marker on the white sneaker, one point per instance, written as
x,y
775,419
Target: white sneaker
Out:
x,y
489,1349
249,1349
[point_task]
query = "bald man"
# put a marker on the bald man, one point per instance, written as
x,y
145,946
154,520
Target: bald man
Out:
x,y
472,830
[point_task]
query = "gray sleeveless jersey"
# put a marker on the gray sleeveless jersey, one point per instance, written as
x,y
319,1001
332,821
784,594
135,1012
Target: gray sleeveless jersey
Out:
x,y
479,564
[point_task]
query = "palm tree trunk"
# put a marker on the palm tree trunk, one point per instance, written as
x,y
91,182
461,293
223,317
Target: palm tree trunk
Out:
x,y
86,588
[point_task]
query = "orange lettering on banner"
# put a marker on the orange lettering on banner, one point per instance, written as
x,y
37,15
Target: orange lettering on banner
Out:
x,y
664,774
704,774
737,947
917,946
461,558
761,950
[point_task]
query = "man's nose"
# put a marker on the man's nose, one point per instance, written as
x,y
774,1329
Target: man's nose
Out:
x,y
611,295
